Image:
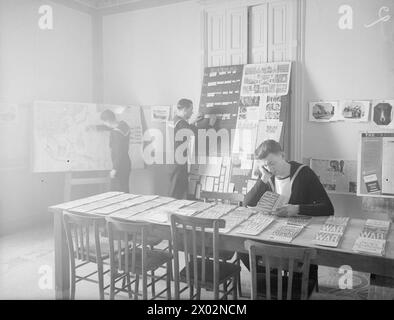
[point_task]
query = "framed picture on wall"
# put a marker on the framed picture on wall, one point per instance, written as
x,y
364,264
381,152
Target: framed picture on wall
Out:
x,y
382,113
323,111
354,110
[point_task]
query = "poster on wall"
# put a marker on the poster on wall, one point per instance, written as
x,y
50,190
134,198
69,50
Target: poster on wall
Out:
x,y
266,78
269,130
353,111
323,111
336,175
383,112
375,168
160,113
270,108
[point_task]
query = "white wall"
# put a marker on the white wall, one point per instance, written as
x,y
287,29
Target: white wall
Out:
x,y
153,56
36,64
345,64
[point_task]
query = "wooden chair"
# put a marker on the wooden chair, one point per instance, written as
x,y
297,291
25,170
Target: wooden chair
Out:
x,y
133,257
201,271
230,198
289,278
80,229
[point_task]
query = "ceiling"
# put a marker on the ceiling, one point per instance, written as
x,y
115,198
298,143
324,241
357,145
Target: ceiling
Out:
x,y
101,4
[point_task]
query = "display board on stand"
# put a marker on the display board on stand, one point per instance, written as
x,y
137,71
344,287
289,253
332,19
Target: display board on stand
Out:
x,y
252,103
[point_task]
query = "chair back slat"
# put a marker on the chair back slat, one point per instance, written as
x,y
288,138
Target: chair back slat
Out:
x,y
287,261
127,234
280,275
267,276
87,241
290,278
194,257
203,257
193,244
78,228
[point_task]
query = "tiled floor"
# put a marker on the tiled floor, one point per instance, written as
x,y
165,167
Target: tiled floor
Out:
x,y
26,272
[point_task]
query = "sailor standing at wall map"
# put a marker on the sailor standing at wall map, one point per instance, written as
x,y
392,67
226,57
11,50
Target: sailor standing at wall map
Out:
x,y
119,141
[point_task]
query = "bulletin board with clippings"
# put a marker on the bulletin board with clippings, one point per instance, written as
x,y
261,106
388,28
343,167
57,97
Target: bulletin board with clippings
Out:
x,y
252,102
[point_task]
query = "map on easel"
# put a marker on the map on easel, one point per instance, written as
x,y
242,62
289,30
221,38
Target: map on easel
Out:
x,y
62,141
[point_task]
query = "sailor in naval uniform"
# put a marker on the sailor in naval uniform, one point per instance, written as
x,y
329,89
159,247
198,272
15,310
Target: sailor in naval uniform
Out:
x,y
119,141
179,172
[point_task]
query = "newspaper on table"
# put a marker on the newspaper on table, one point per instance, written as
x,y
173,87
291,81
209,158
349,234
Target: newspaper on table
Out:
x,y
370,246
90,207
131,211
285,232
177,204
235,217
255,224
373,237
331,232
216,211
200,206
332,220
302,221
80,202
135,200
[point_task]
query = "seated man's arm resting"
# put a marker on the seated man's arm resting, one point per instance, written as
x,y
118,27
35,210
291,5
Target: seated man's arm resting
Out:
x,y
319,204
253,196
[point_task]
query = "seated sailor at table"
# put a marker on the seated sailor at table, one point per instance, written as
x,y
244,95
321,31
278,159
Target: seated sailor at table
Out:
x,y
293,180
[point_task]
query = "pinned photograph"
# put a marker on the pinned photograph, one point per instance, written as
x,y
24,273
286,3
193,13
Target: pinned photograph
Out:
x,y
322,111
354,111
382,112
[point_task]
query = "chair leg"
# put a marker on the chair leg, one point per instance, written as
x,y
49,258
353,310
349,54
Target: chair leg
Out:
x,y
225,287
235,287
72,289
239,284
144,285
168,278
112,287
129,286
136,284
100,280
191,291
153,283
198,297
170,251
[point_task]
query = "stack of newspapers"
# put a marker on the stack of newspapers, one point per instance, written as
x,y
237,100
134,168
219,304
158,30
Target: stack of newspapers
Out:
x,y
373,237
331,232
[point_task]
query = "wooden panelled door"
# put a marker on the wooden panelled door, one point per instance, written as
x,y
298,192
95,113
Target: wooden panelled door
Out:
x,y
250,34
227,32
271,36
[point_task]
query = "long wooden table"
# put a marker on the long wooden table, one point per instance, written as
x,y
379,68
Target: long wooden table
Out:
x,y
334,257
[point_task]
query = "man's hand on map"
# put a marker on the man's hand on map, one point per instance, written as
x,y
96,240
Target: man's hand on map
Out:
x,y
288,210
112,173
